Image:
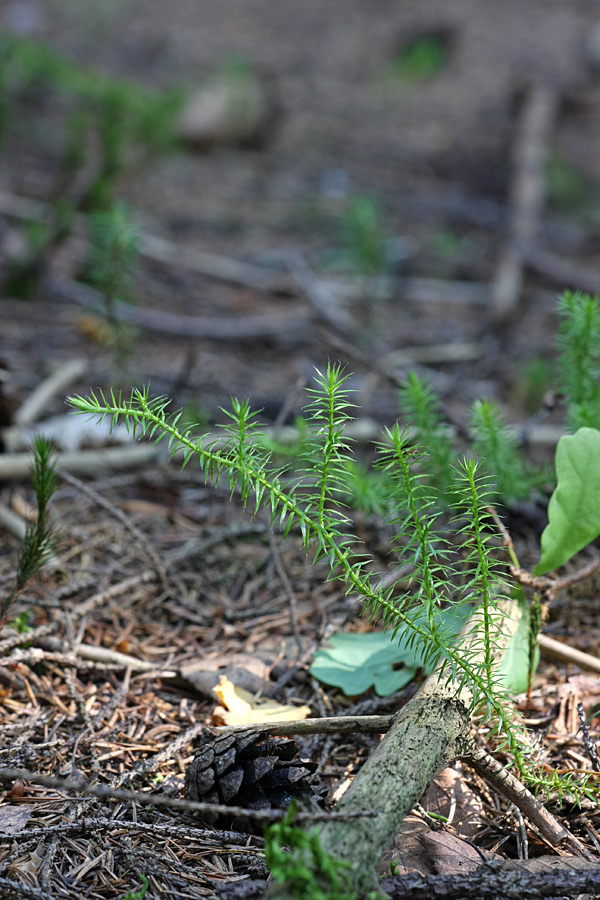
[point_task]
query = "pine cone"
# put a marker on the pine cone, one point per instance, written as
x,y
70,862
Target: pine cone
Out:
x,y
247,768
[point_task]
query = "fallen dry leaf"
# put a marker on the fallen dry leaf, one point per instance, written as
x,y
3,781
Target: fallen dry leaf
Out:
x,y
14,818
243,708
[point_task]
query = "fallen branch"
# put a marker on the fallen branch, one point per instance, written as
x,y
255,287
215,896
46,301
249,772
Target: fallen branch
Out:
x,y
564,653
526,193
81,786
214,328
493,880
83,462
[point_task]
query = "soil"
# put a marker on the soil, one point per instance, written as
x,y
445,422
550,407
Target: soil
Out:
x,y
437,154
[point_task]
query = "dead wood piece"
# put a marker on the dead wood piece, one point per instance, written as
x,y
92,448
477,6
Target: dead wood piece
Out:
x,y
114,658
526,193
551,586
321,297
412,290
512,788
494,880
292,326
56,383
563,652
14,523
84,788
83,462
213,265
436,353
333,725
565,271
223,268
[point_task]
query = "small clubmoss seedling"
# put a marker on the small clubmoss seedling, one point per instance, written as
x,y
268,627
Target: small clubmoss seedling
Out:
x,y
41,539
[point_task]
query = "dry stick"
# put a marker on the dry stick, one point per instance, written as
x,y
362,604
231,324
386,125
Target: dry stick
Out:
x,y
126,521
494,879
29,636
505,782
550,587
160,250
565,271
35,655
89,824
332,725
81,786
115,590
213,265
13,522
225,328
564,653
526,193
83,462
57,383
321,297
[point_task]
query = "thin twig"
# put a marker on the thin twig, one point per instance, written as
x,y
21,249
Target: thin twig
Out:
x,y
549,586
558,650
81,786
36,404
89,824
322,299
214,328
332,725
83,462
506,538
517,793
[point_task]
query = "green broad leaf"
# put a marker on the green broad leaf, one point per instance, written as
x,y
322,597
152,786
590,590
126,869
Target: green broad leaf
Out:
x,y
514,668
356,662
574,508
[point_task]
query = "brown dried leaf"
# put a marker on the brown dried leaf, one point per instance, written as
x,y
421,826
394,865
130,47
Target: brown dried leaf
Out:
x,y
14,818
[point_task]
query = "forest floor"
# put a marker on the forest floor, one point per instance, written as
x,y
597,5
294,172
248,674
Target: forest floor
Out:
x,y
484,167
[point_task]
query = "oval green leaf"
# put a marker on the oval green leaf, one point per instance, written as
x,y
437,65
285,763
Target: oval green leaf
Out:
x,y
574,508
356,662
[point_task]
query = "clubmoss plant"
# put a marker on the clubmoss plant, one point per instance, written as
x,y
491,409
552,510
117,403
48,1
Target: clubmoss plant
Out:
x,y
312,500
579,362
41,539
421,408
363,234
99,126
423,57
113,256
29,66
498,448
